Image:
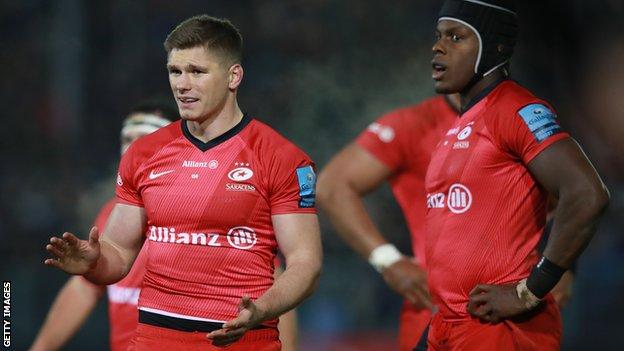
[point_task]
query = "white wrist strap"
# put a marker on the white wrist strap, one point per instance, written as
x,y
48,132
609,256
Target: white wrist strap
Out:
x,y
526,296
383,256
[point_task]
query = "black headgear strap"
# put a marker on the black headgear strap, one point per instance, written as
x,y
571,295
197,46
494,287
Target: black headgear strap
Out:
x,y
493,24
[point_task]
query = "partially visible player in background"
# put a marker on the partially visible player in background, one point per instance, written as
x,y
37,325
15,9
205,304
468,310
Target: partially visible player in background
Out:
x,y
395,148
78,297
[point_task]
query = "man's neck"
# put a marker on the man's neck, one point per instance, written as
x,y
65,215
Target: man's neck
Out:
x,y
478,87
216,125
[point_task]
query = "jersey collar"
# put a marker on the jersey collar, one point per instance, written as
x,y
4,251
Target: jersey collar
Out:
x,y
218,140
482,94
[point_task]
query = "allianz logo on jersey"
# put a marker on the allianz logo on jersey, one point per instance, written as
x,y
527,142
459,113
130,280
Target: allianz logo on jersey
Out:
x,y
213,164
239,237
458,199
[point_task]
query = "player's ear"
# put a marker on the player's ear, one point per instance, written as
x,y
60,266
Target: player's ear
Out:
x,y
235,76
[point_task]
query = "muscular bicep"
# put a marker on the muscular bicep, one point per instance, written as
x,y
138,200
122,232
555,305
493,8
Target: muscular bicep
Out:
x,y
299,239
124,229
354,167
564,167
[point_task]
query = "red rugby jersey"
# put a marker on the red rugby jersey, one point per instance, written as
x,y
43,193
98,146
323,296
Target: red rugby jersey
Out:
x,y
209,208
486,212
403,140
123,295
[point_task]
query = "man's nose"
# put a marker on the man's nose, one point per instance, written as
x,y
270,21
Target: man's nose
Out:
x,y
183,82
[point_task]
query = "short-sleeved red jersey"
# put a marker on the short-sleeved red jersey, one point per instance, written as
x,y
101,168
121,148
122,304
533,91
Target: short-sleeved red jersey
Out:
x,y
486,212
209,208
123,295
403,140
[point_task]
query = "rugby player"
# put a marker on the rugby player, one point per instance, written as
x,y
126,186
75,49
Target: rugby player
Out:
x,y
487,186
216,195
395,148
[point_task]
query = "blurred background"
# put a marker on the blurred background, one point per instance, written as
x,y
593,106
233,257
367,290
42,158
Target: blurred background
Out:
x,y
319,71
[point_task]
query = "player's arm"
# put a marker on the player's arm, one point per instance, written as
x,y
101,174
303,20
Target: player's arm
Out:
x,y
70,309
565,172
287,326
104,260
299,240
562,292
346,179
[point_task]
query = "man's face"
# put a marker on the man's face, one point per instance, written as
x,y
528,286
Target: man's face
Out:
x,y
132,134
199,81
454,56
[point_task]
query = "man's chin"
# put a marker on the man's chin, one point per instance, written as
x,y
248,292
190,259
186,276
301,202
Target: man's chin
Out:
x,y
188,116
441,88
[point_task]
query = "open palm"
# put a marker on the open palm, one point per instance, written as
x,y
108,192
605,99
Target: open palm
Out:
x,y
73,255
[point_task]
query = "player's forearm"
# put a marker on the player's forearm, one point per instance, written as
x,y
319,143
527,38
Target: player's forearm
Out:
x,y
576,218
347,213
298,281
71,307
112,265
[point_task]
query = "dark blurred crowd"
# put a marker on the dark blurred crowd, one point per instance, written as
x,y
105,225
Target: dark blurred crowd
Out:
x,y
318,71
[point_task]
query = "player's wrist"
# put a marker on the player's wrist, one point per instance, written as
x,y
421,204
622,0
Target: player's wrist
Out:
x,y
384,256
262,312
544,276
528,299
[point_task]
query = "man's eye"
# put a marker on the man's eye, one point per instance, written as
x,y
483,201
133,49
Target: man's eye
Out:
x,y
455,37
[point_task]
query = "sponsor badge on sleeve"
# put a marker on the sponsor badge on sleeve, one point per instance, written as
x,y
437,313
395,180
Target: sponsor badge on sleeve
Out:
x,y
542,122
307,186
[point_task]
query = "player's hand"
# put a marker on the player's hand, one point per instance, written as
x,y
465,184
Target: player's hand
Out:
x,y
73,255
249,316
410,281
494,303
562,292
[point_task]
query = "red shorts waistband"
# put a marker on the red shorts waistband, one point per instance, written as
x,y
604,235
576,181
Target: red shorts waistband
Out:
x,y
250,335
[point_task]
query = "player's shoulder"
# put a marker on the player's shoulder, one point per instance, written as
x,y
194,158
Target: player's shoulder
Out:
x,y
513,106
149,144
424,110
427,116
511,98
263,139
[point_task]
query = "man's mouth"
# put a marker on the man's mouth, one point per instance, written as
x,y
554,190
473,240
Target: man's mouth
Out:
x,y
186,101
438,70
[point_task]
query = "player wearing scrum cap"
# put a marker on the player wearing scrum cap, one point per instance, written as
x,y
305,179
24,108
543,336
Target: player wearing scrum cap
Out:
x,y
490,176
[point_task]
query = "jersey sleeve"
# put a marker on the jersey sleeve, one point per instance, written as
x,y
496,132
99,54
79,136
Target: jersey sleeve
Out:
x,y
292,187
380,139
532,129
127,189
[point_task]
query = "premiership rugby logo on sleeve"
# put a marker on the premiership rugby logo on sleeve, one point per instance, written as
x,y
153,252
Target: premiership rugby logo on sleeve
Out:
x,y
307,186
542,122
